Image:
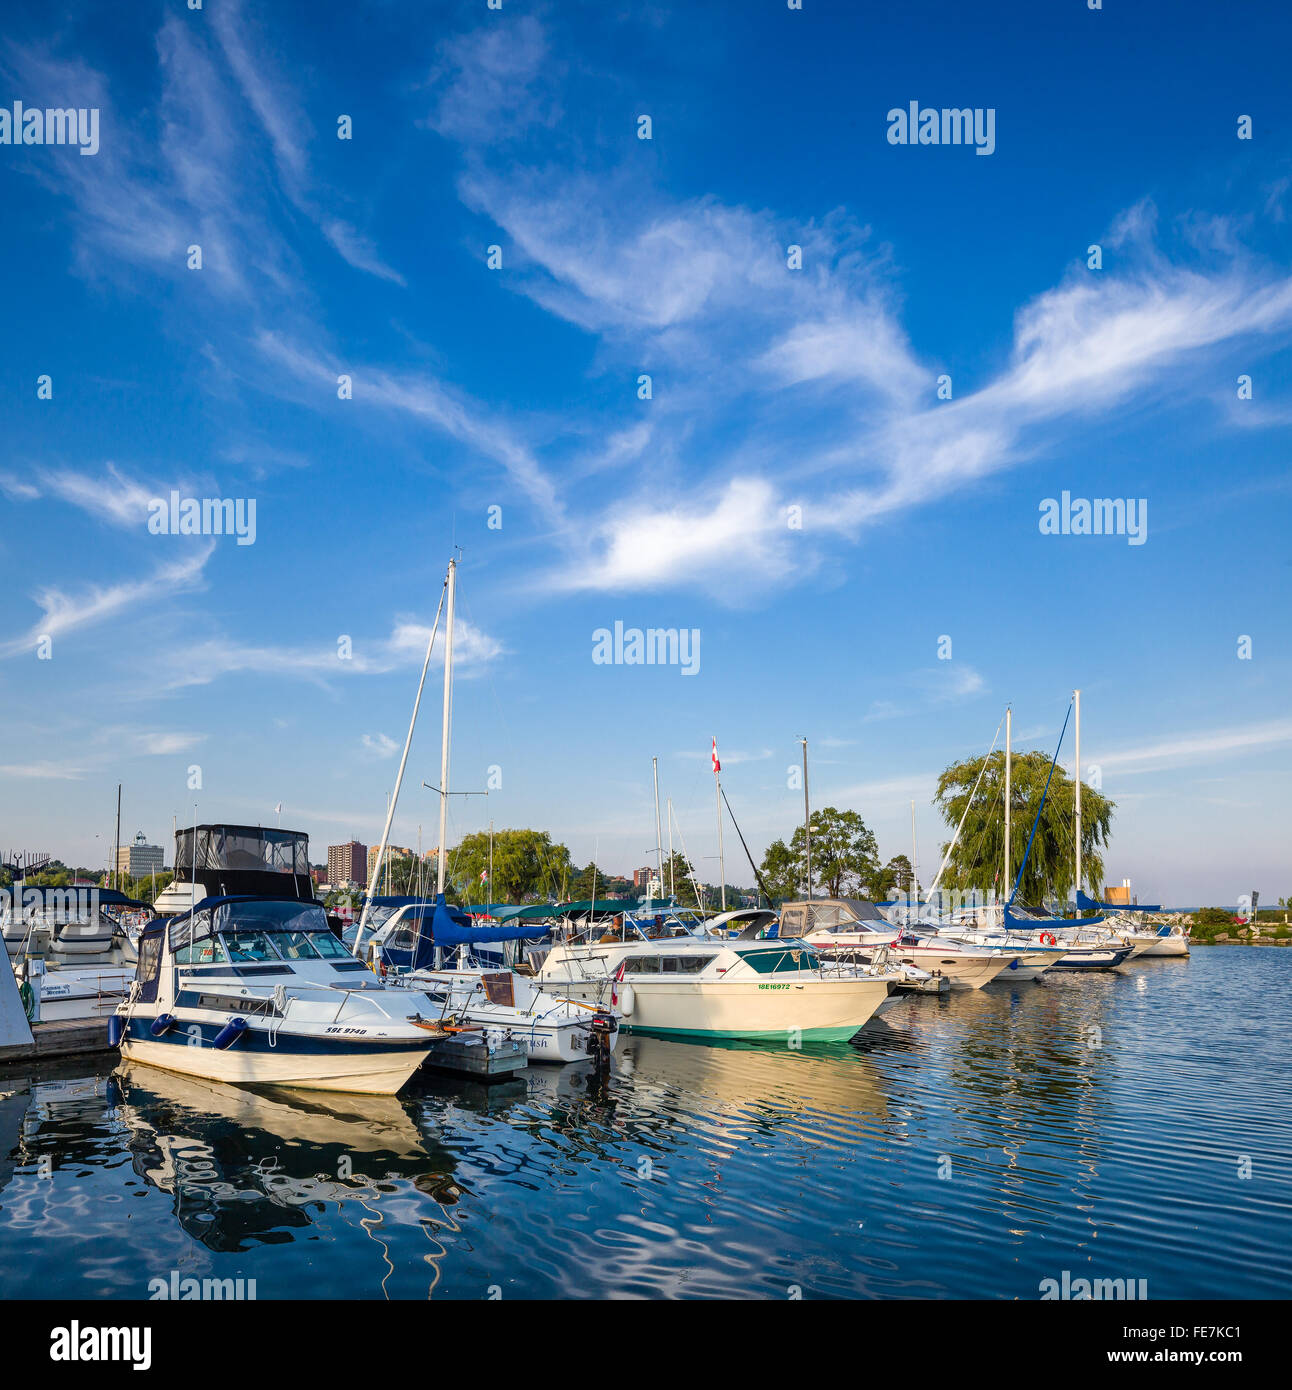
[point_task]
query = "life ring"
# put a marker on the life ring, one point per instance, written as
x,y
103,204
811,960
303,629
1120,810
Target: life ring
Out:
x,y
1048,939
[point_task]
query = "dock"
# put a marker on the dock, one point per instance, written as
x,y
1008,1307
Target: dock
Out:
x,y
62,1037
470,1055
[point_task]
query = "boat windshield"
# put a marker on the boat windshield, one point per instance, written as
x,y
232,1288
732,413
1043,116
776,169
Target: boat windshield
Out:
x,y
267,931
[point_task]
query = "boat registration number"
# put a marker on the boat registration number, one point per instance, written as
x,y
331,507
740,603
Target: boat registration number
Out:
x,y
345,1030
773,986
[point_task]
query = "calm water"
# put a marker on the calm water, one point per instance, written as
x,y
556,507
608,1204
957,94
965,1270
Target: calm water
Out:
x,y
962,1148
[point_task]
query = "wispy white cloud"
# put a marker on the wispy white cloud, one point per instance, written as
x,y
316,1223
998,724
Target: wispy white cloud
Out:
x,y
62,613
212,658
380,744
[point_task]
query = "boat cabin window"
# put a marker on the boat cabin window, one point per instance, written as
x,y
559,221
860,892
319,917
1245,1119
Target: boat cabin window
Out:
x,y
828,915
248,945
793,921
667,965
193,942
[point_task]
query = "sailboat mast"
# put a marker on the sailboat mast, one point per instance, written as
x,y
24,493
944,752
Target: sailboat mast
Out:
x,y
807,819
448,717
672,891
659,838
1076,698
1009,768
915,860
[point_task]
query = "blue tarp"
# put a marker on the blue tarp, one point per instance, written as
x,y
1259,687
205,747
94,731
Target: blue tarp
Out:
x,y
438,924
1088,904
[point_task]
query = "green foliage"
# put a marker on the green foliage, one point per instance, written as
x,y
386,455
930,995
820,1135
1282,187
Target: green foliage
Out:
x,y
978,858
526,864
895,877
845,857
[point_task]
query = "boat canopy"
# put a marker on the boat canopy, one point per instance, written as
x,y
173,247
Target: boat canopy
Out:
x,y
600,905
245,859
439,924
1089,904
1032,919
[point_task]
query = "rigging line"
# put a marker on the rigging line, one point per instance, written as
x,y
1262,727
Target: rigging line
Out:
x,y
744,846
694,885
968,803
1041,807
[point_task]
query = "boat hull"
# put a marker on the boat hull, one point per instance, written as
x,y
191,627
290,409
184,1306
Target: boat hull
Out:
x,y
300,1063
814,1011
1167,946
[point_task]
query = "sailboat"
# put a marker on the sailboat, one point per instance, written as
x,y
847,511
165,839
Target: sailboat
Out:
x,y
427,946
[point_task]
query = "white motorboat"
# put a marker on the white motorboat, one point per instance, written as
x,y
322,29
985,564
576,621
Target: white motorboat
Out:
x,y
1170,939
852,928
428,946
250,989
665,979
69,950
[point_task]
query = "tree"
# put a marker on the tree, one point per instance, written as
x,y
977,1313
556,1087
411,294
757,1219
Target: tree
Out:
x,y
895,877
844,856
781,871
526,864
978,860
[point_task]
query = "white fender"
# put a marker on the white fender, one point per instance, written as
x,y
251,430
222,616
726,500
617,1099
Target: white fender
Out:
x,y
627,998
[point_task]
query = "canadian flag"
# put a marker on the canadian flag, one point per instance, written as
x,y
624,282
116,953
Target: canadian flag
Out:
x,y
616,982
717,766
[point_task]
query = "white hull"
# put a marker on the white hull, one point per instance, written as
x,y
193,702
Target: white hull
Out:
x,y
556,1045
812,1009
1168,946
368,1072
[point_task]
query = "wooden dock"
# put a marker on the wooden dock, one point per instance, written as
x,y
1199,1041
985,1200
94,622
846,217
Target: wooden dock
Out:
x,y
63,1037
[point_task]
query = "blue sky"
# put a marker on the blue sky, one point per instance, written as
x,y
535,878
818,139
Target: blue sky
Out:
x,y
772,388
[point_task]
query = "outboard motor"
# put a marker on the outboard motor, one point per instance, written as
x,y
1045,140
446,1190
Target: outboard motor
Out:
x,y
601,1032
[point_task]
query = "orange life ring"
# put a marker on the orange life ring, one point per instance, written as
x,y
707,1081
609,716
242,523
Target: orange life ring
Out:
x,y
1048,939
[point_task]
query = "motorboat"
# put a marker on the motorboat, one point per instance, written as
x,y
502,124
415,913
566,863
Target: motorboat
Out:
x,y
428,946
665,978
854,928
251,989
69,949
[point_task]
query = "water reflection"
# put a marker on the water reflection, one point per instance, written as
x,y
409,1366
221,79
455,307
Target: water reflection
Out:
x,y
247,1165
968,1146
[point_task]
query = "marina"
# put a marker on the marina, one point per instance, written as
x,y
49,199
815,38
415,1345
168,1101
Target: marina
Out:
x,y
970,1146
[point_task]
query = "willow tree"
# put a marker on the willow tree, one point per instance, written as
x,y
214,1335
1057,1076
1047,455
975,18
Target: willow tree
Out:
x,y
978,860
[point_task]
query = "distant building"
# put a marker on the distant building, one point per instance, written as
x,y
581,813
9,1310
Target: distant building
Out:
x,y
393,852
1120,896
641,877
139,859
348,863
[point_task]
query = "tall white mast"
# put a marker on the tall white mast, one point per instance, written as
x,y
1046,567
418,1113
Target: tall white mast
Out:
x,y
1076,697
448,718
807,820
672,891
722,863
915,861
1009,767
375,876
659,838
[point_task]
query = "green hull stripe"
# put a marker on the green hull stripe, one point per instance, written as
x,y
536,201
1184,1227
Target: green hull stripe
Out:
x,y
775,1035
